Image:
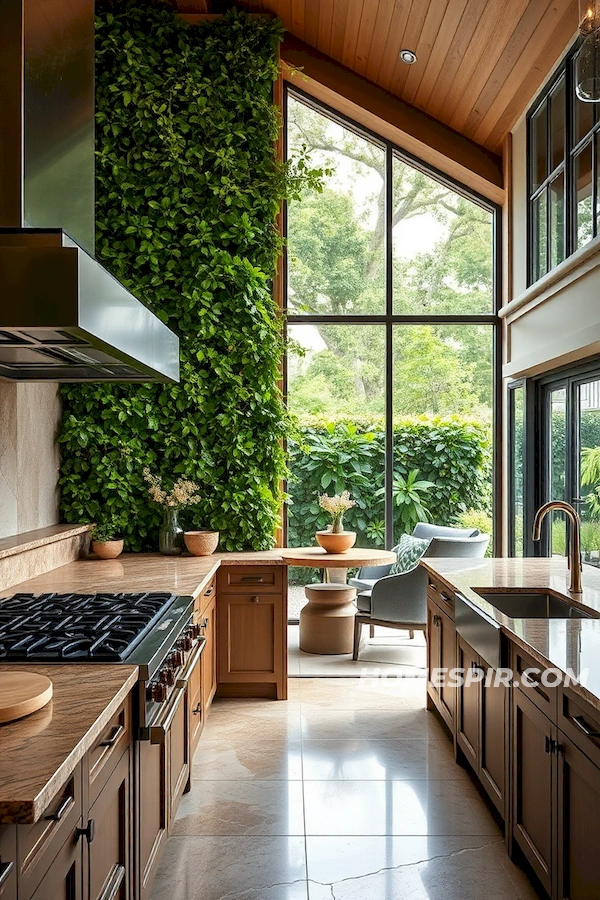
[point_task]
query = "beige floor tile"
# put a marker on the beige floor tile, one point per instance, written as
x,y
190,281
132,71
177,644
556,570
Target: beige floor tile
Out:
x,y
384,724
363,693
394,808
441,869
210,868
241,807
374,760
220,760
276,723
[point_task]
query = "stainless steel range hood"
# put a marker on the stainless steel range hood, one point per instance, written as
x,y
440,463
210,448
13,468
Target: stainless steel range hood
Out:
x,y
63,317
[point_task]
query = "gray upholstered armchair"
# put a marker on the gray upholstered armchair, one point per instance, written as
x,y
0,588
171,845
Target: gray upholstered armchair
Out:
x,y
400,601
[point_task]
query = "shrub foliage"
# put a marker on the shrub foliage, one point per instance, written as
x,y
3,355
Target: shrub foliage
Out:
x,y
188,187
452,453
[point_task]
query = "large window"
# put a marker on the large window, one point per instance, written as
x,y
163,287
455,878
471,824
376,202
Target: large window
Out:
x,y
391,310
563,135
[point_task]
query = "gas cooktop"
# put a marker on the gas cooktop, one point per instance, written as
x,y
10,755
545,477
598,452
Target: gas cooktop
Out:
x,y
98,627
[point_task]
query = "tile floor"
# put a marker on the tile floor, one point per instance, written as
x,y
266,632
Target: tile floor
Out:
x,y
349,790
390,652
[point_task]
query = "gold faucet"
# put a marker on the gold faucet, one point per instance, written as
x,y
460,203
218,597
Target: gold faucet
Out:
x,y
574,558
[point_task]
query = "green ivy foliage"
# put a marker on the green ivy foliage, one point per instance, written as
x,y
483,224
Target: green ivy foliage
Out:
x,y
188,186
452,453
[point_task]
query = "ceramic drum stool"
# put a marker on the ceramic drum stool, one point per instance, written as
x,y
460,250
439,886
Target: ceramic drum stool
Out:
x,y
327,620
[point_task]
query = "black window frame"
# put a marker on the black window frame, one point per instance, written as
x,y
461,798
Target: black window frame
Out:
x,y
389,319
571,151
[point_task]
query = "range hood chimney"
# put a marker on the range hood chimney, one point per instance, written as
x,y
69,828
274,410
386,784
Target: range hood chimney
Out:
x,y
63,317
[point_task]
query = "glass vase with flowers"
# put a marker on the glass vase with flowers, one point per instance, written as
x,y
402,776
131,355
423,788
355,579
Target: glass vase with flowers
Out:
x,y
182,494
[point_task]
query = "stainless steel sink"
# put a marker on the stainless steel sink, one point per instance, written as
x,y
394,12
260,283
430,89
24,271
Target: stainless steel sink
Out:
x,y
533,605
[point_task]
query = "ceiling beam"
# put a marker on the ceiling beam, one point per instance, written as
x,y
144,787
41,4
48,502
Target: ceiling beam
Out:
x,y
405,125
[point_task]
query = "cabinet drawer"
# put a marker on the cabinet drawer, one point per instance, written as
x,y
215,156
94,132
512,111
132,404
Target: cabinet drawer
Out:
x,y
108,749
205,597
236,579
441,595
545,698
39,844
580,722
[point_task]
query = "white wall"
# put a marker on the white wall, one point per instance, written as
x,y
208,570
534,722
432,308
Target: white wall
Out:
x,y
29,459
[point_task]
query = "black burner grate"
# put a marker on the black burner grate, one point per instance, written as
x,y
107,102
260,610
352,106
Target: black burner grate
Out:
x,y
95,627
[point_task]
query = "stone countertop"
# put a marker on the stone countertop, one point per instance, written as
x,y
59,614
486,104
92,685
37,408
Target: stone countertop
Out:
x,y
570,645
39,752
131,572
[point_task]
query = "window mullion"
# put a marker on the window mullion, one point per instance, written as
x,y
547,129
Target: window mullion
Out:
x,y
389,349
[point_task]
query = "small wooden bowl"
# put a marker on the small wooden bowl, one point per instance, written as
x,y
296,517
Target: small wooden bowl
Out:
x,y
201,543
107,549
336,542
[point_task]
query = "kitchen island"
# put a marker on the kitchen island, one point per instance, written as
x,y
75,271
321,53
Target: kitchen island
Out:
x,y
521,700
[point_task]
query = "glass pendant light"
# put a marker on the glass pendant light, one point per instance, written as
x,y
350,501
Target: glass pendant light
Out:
x,y
587,61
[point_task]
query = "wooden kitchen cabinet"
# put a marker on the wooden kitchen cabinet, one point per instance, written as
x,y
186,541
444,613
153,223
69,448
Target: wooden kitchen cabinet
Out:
x,y
441,653
64,879
151,812
482,723
8,862
209,657
534,786
109,853
252,632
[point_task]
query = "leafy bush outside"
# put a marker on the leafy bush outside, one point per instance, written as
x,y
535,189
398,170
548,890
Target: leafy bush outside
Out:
x,y
453,453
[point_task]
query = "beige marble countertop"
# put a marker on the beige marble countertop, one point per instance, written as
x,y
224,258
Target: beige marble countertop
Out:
x,y
570,645
131,572
39,752
30,540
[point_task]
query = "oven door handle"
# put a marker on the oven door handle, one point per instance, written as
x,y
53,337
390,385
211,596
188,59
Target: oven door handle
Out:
x,y
158,731
191,662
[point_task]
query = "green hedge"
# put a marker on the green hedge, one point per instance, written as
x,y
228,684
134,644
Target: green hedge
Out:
x,y
453,453
188,186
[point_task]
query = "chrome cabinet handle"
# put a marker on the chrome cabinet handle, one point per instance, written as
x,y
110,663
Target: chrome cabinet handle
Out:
x,y
57,816
114,883
5,870
446,598
581,724
114,737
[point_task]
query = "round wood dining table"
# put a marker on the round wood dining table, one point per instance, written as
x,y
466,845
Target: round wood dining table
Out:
x,y
327,620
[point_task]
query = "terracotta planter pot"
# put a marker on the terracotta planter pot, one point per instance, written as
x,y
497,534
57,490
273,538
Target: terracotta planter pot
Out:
x,y
107,549
336,543
201,543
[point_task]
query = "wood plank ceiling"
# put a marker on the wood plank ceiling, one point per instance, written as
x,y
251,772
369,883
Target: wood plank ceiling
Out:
x,y
479,62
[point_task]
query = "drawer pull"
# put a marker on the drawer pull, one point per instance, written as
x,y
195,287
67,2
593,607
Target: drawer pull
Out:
x,y
581,724
88,832
114,737
64,806
113,884
197,710
5,870
255,599
204,623
446,598
209,591
253,579
437,619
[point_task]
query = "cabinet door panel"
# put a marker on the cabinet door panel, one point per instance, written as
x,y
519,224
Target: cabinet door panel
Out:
x,y
579,824
433,648
493,738
249,627
209,656
533,786
468,702
8,862
178,743
447,662
109,853
63,880
152,810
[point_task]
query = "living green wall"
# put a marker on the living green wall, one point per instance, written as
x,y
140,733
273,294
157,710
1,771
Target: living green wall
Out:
x,y
187,189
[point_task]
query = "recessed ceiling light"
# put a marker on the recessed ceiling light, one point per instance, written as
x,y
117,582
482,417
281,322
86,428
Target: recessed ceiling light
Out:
x,y
408,57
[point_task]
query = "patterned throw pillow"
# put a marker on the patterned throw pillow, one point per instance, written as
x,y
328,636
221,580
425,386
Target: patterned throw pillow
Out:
x,y
408,553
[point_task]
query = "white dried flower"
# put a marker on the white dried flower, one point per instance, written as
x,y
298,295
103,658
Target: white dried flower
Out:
x,y
182,494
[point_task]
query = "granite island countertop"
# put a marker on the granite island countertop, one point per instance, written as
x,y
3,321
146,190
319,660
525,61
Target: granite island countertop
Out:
x,y
39,752
570,645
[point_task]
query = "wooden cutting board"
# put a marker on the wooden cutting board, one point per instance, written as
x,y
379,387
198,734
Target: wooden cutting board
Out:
x,y
22,693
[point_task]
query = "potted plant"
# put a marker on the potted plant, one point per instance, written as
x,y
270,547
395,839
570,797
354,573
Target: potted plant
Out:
x,y
334,539
106,542
182,494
